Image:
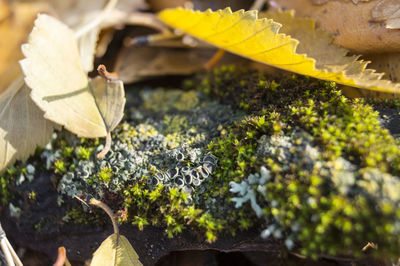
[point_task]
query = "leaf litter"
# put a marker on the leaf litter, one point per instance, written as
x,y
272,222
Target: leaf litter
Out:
x,y
312,54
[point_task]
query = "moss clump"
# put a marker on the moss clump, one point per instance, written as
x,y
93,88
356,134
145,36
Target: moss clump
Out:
x,y
331,162
156,163
290,156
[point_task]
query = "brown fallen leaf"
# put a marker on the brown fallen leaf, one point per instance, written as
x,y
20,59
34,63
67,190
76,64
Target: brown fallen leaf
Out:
x,y
350,24
388,63
158,5
320,2
138,63
16,21
387,11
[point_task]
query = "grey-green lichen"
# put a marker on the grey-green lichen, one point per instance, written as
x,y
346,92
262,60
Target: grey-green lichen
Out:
x,y
290,156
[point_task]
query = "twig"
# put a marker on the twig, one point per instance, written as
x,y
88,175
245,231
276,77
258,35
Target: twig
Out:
x,y
215,59
14,255
150,39
110,76
107,209
6,252
95,22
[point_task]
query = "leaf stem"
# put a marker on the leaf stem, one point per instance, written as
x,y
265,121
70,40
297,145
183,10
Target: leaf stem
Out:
x,y
107,209
214,59
107,146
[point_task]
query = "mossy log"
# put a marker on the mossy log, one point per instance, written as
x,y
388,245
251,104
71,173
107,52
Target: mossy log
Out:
x,y
233,161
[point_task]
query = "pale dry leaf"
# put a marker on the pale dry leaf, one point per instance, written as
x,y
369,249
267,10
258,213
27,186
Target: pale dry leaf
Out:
x,y
350,24
115,251
79,14
387,11
389,64
22,126
60,87
320,2
87,44
262,40
110,100
138,63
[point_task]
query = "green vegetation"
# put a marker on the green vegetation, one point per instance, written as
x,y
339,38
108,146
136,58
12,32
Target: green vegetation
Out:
x,y
290,156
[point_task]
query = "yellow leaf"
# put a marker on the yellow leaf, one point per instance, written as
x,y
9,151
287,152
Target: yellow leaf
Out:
x,y
22,126
60,87
115,251
244,34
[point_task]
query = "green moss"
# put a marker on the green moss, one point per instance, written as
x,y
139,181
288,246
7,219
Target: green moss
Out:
x,y
332,182
83,153
105,174
335,209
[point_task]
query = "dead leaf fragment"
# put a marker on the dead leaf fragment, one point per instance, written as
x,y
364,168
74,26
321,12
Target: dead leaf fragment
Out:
x,y
387,11
22,126
115,251
138,63
351,25
60,87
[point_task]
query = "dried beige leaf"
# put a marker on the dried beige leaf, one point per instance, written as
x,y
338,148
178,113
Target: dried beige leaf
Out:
x,y
387,11
60,87
320,2
138,63
22,126
115,251
350,24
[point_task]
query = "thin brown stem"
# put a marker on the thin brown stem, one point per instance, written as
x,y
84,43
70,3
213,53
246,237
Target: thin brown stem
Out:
x,y
110,76
61,257
106,148
107,209
215,59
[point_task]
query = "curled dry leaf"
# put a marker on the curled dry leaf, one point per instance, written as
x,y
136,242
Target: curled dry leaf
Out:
x,y
22,126
313,54
387,11
60,87
350,24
